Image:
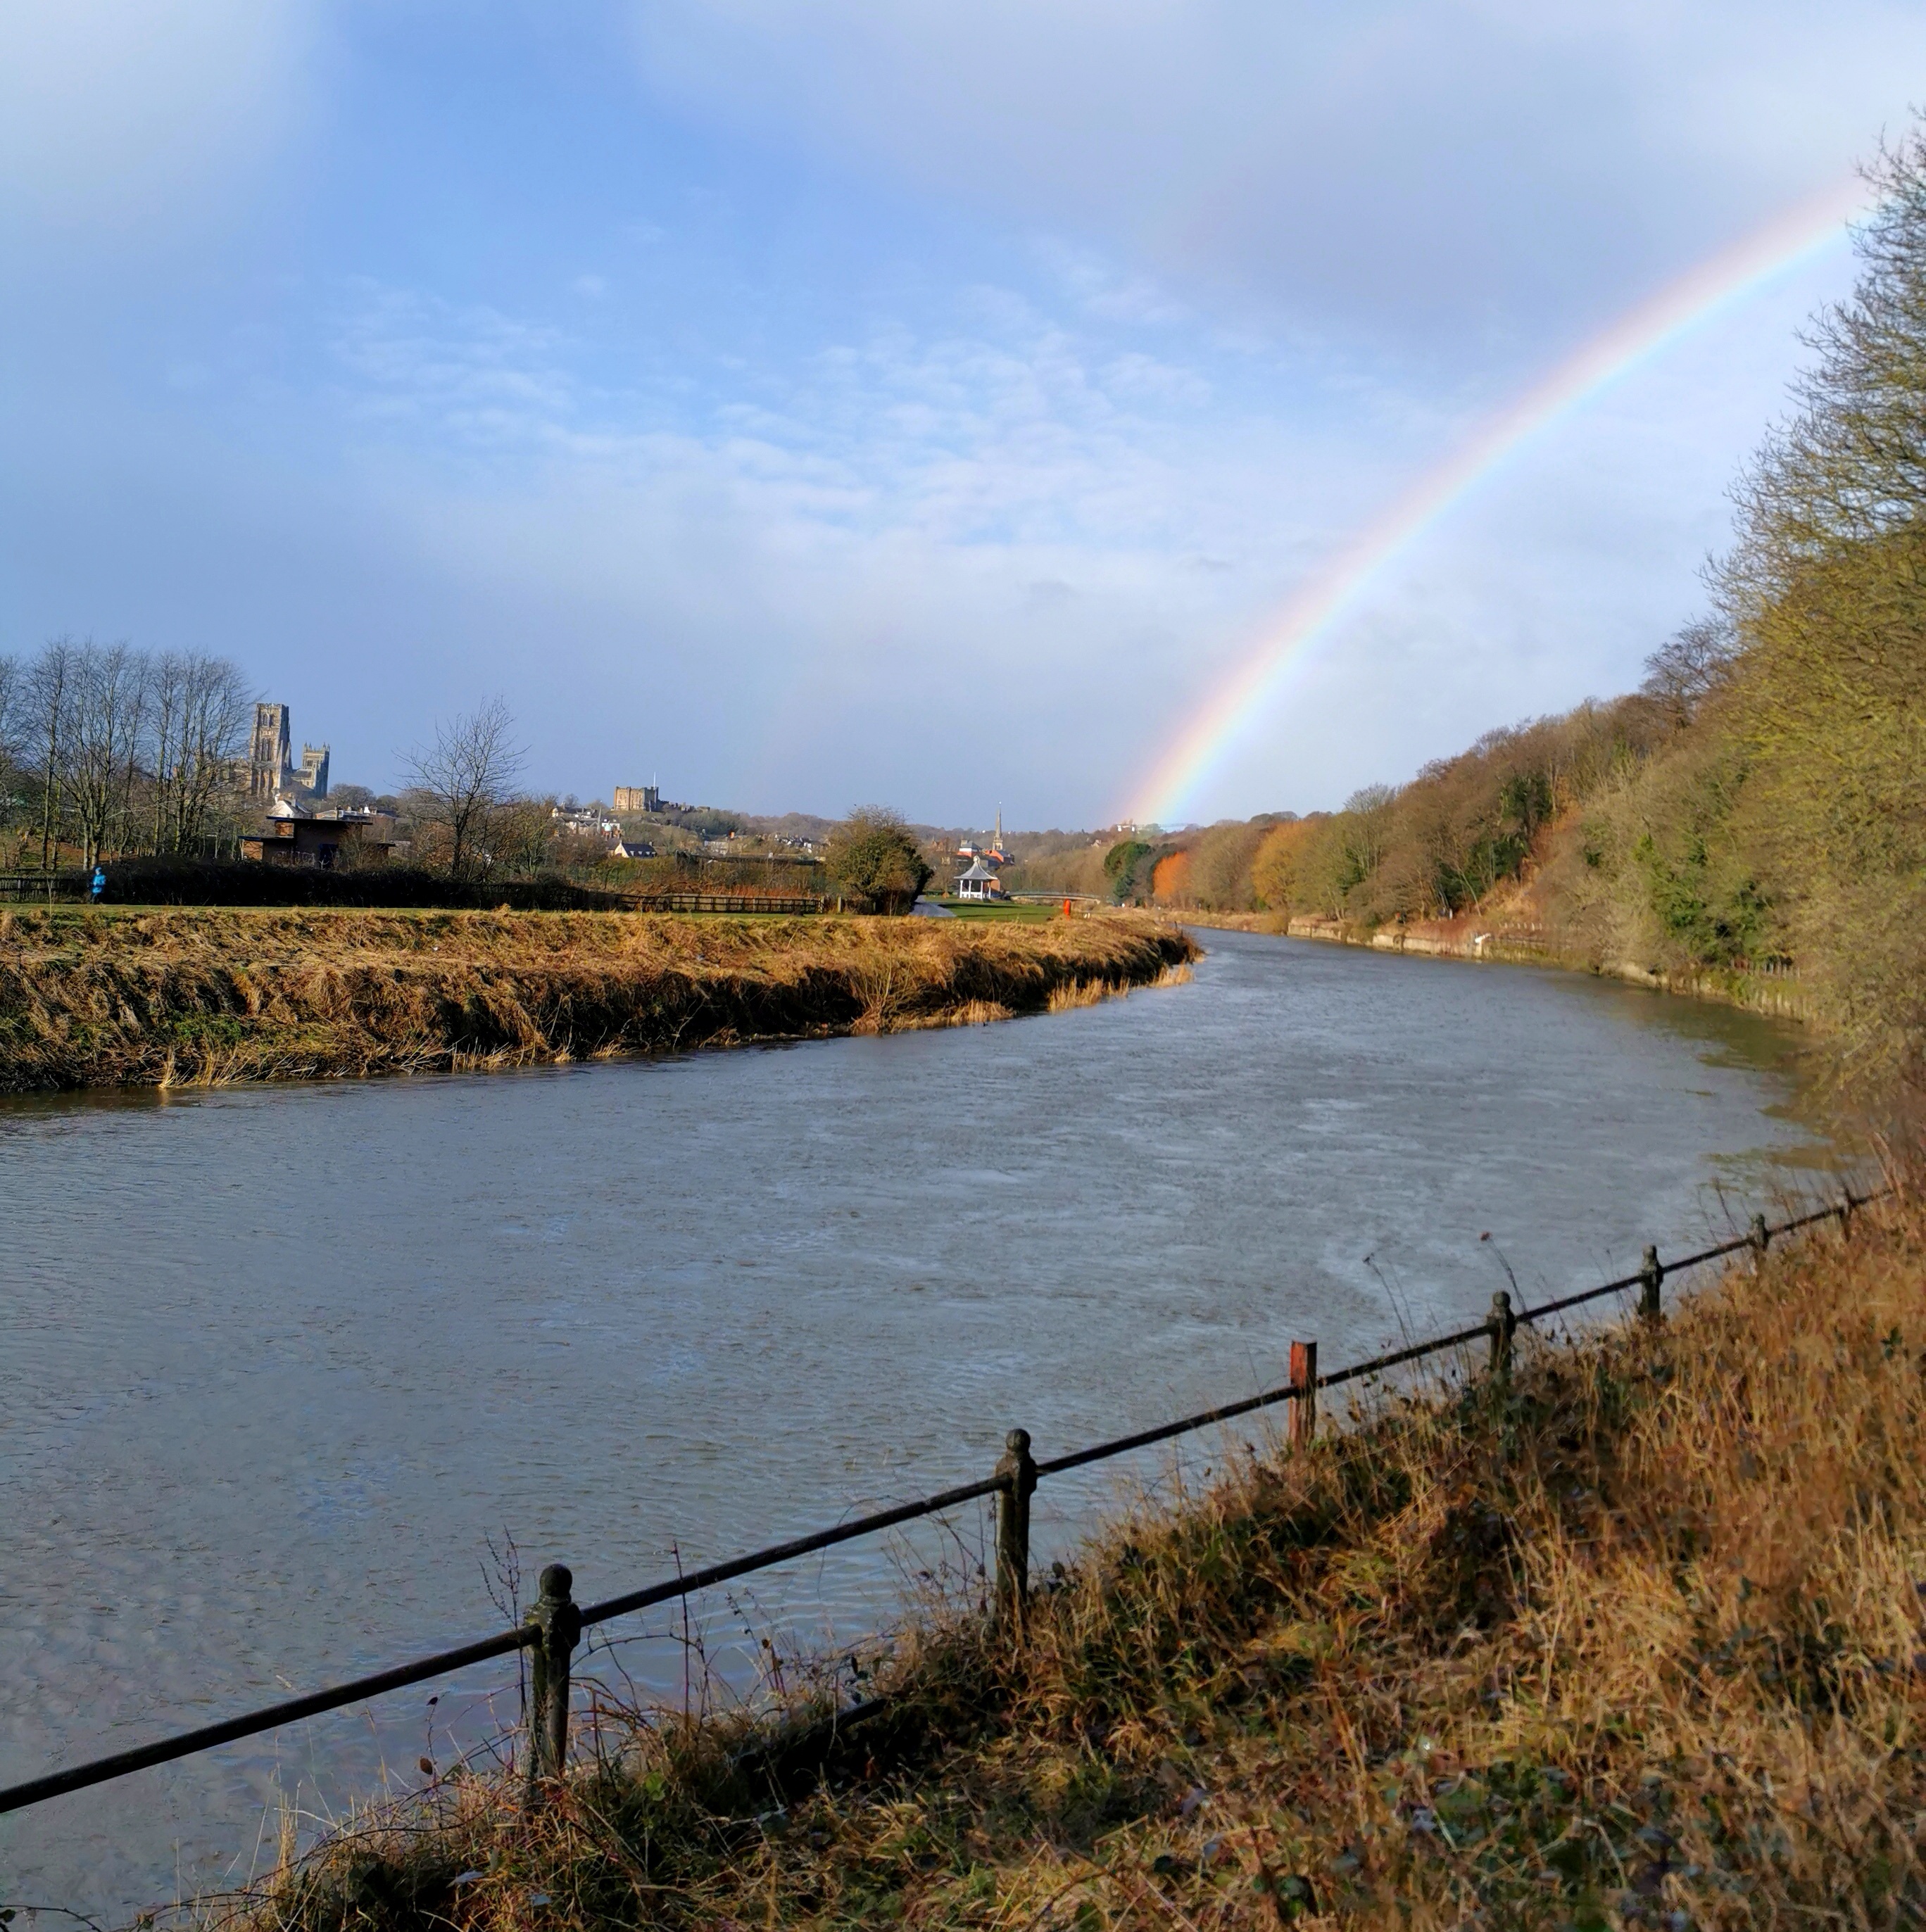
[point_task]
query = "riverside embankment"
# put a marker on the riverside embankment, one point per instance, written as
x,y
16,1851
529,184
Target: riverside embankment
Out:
x,y
1628,1637
1530,942
206,996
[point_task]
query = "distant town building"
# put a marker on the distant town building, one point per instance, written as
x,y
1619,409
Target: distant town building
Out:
x,y
631,848
586,821
272,772
993,854
638,798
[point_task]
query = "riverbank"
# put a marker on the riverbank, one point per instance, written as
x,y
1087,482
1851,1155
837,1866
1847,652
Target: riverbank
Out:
x,y
1635,1640
182,996
1509,942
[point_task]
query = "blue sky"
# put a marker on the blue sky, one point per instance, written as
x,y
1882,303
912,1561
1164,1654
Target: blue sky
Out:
x,y
811,404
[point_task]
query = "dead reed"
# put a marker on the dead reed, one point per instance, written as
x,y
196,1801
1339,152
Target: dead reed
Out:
x,y
1093,992
1636,1640
209,995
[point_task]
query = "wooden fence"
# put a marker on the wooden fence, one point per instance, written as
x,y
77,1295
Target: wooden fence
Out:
x,y
739,902
43,886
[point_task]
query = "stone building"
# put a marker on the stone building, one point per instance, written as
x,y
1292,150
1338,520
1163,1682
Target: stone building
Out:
x,y
272,771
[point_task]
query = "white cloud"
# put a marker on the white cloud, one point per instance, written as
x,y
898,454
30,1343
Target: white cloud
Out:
x,y
1018,510
1101,530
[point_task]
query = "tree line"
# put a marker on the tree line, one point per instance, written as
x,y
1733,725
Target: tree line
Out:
x,y
118,750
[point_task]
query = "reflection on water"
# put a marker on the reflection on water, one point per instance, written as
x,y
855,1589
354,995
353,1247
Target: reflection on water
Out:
x,y
275,1364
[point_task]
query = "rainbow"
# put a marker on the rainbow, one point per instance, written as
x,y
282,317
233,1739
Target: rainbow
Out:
x,y
1722,282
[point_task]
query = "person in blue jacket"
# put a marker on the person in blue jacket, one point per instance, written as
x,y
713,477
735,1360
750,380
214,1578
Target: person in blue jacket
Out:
x,y
100,882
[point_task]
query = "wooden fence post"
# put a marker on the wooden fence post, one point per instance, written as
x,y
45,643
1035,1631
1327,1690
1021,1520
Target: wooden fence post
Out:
x,y
558,1623
1759,1238
1301,1411
1503,1324
1651,1277
1846,1215
1017,1472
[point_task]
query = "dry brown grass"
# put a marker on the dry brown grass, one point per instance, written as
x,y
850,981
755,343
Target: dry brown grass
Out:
x,y
205,995
1636,1641
1074,993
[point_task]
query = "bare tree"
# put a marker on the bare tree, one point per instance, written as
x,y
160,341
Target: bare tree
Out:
x,y
13,685
167,698
49,705
1689,666
13,710
129,749
198,718
107,731
467,775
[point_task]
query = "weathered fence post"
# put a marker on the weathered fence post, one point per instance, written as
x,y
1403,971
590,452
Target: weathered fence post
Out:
x,y
1652,1277
1301,1410
1846,1206
557,1623
1017,1472
1503,1324
1759,1236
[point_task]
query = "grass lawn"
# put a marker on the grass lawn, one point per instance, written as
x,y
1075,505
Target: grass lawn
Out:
x,y
1020,915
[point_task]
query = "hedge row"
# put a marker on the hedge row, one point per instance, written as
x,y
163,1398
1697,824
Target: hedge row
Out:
x,y
200,882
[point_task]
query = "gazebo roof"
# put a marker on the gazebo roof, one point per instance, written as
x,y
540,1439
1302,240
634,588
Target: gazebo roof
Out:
x,y
978,870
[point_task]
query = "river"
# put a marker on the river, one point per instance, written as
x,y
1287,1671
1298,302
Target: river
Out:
x,y
276,1364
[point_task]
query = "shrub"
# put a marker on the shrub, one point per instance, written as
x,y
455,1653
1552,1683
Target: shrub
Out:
x,y
874,859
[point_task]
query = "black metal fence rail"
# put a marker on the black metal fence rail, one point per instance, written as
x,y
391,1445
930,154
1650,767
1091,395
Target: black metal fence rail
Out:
x,y
556,1622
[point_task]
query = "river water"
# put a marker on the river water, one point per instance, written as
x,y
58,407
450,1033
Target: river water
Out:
x,y
276,1364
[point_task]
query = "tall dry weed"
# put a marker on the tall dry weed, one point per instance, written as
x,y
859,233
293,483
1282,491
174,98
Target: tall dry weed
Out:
x,y
1635,1640
208,995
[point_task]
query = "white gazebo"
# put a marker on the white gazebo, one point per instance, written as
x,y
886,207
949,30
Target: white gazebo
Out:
x,y
979,882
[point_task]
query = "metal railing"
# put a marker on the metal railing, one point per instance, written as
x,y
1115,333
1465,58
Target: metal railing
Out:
x,y
556,1622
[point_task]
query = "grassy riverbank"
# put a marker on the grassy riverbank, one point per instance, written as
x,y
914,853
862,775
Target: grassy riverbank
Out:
x,y
1636,1643
188,995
